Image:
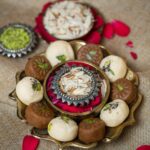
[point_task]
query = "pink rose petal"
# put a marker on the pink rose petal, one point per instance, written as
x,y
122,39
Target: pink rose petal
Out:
x,y
133,55
30,143
108,31
129,44
121,28
93,37
144,147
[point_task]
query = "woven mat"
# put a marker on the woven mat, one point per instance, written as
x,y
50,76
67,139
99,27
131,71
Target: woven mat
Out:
x,y
134,12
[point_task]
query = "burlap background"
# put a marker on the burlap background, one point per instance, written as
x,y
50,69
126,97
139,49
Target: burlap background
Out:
x,y
136,13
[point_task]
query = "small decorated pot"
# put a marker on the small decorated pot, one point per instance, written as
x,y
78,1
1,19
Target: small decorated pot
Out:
x,y
76,88
17,39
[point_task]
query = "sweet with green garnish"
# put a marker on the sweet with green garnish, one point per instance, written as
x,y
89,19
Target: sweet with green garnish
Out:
x,y
37,67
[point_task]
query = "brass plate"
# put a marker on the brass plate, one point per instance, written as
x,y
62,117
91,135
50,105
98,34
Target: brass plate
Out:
x,y
111,133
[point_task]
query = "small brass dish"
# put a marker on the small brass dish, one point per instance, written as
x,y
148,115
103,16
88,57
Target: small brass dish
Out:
x,y
87,113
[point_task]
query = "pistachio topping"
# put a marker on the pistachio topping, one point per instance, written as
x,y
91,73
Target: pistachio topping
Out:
x,y
14,38
36,85
61,58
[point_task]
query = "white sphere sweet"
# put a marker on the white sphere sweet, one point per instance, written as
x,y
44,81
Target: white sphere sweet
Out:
x,y
114,113
29,90
114,67
63,129
59,51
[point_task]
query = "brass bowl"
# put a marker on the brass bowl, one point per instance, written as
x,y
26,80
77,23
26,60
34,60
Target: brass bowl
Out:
x,y
96,109
111,133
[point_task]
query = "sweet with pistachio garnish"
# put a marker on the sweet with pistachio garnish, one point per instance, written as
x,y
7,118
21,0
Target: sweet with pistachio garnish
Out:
x,y
39,114
125,90
91,53
114,67
91,130
29,90
114,113
63,129
58,52
14,38
37,67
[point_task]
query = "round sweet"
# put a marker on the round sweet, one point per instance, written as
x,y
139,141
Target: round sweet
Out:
x,y
63,129
114,113
37,67
114,67
68,20
39,114
123,89
59,51
91,130
29,90
91,53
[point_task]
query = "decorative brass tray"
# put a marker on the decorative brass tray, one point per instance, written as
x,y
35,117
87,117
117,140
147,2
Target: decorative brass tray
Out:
x,y
112,133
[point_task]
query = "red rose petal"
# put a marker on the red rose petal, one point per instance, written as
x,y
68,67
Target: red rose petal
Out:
x,y
93,37
108,31
30,143
46,6
121,28
98,22
144,147
94,12
133,55
129,44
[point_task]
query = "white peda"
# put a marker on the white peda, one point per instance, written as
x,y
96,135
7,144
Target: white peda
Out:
x,y
29,90
59,51
114,67
63,129
114,113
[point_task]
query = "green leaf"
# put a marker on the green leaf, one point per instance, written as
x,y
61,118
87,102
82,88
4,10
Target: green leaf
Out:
x,y
107,63
42,65
61,58
36,86
65,118
49,126
111,71
120,87
106,107
92,52
89,120
88,57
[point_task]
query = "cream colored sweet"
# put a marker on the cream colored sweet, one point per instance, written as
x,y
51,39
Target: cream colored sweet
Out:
x,y
114,67
114,113
63,129
68,20
59,51
29,90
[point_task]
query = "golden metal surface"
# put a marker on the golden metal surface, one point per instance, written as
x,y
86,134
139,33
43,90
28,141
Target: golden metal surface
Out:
x,y
111,133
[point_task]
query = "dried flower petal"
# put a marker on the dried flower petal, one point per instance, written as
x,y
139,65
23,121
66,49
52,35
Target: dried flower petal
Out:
x,y
108,31
121,28
129,44
133,55
98,22
93,37
144,147
30,143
